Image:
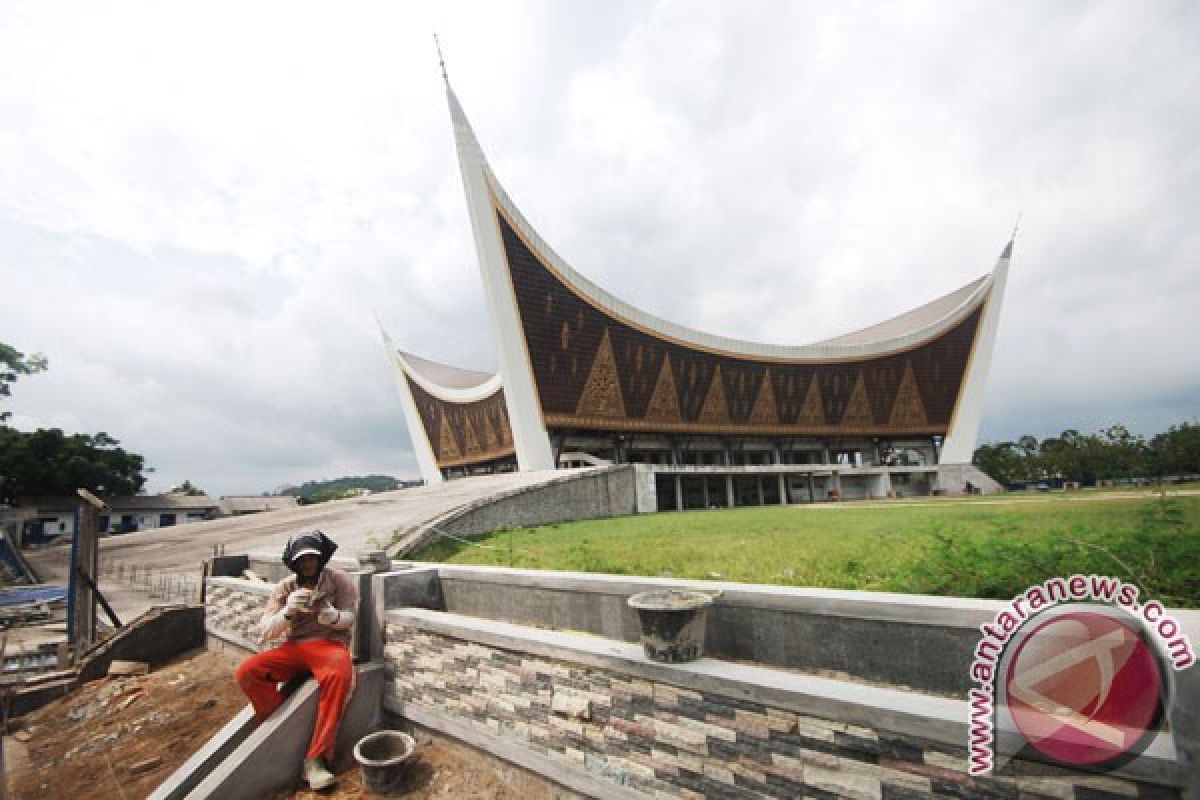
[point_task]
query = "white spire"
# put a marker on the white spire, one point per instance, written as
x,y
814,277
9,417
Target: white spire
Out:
x,y
963,434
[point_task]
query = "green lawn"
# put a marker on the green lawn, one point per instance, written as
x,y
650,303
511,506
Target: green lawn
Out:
x,y
971,547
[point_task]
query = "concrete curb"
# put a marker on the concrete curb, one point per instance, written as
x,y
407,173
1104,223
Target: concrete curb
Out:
x,y
207,759
246,760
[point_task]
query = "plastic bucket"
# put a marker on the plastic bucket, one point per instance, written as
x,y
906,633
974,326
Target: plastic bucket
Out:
x,y
381,757
673,622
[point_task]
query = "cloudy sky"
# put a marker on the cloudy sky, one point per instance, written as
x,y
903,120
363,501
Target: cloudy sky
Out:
x,y
203,205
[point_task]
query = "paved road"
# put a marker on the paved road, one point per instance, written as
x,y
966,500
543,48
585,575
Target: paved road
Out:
x,y
357,525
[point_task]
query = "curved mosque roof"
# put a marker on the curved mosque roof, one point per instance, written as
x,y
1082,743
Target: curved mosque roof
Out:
x,y
574,356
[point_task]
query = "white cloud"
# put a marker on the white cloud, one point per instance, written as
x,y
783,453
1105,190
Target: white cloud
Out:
x,y
204,204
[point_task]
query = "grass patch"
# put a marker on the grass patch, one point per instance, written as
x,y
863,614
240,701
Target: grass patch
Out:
x,y
967,548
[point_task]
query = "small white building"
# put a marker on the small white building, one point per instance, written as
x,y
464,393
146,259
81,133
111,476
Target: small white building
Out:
x,y
44,518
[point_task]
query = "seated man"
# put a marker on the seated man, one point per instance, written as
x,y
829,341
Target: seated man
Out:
x,y
312,611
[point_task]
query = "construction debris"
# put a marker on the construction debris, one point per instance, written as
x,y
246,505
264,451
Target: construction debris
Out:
x,y
118,667
145,766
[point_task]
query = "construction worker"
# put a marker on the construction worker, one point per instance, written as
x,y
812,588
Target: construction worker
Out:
x,y
312,612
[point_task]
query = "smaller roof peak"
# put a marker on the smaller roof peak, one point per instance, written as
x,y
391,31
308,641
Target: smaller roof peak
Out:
x,y
441,60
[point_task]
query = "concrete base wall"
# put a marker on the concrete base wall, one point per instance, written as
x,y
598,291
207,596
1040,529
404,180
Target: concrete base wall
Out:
x,y
953,478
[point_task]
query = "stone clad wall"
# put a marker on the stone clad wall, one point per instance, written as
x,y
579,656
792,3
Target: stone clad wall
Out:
x,y
634,737
233,608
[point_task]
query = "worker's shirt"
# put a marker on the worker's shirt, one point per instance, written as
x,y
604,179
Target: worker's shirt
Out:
x,y
334,586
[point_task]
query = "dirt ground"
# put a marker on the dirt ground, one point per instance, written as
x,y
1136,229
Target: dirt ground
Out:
x,y
443,770
120,737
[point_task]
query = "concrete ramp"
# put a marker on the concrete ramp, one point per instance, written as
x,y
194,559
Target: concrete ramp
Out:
x,y
357,524
245,760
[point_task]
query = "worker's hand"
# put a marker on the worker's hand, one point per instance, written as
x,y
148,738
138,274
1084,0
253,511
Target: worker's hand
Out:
x,y
327,615
297,603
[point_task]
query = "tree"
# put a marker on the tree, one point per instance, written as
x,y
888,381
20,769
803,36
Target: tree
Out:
x,y
1003,461
188,488
1177,451
1125,453
48,462
13,364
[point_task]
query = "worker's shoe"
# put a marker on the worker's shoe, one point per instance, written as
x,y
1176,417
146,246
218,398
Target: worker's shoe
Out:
x,y
317,774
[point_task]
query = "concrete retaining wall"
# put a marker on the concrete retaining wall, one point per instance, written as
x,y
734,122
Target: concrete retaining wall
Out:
x,y
596,716
908,640
155,637
605,492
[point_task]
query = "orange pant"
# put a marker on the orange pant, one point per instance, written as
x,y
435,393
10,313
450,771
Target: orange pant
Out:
x,y
328,661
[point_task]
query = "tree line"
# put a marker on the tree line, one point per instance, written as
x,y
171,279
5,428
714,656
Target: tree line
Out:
x,y
1111,454
321,491
49,462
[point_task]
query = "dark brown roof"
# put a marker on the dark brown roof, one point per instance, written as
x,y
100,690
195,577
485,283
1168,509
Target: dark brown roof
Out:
x,y
141,502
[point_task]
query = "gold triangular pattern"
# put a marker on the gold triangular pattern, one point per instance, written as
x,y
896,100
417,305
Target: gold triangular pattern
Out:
x,y
812,413
858,409
715,410
908,410
472,441
764,407
602,393
664,402
447,444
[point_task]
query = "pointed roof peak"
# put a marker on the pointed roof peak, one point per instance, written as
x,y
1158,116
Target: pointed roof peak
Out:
x,y
382,331
1008,248
441,61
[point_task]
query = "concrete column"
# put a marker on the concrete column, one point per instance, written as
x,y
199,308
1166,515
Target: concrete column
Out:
x,y
679,493
825,454
812,488
783,498
762,500
704,487
729,491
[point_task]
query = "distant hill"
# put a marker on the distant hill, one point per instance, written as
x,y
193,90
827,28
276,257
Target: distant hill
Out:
x,y
320,491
